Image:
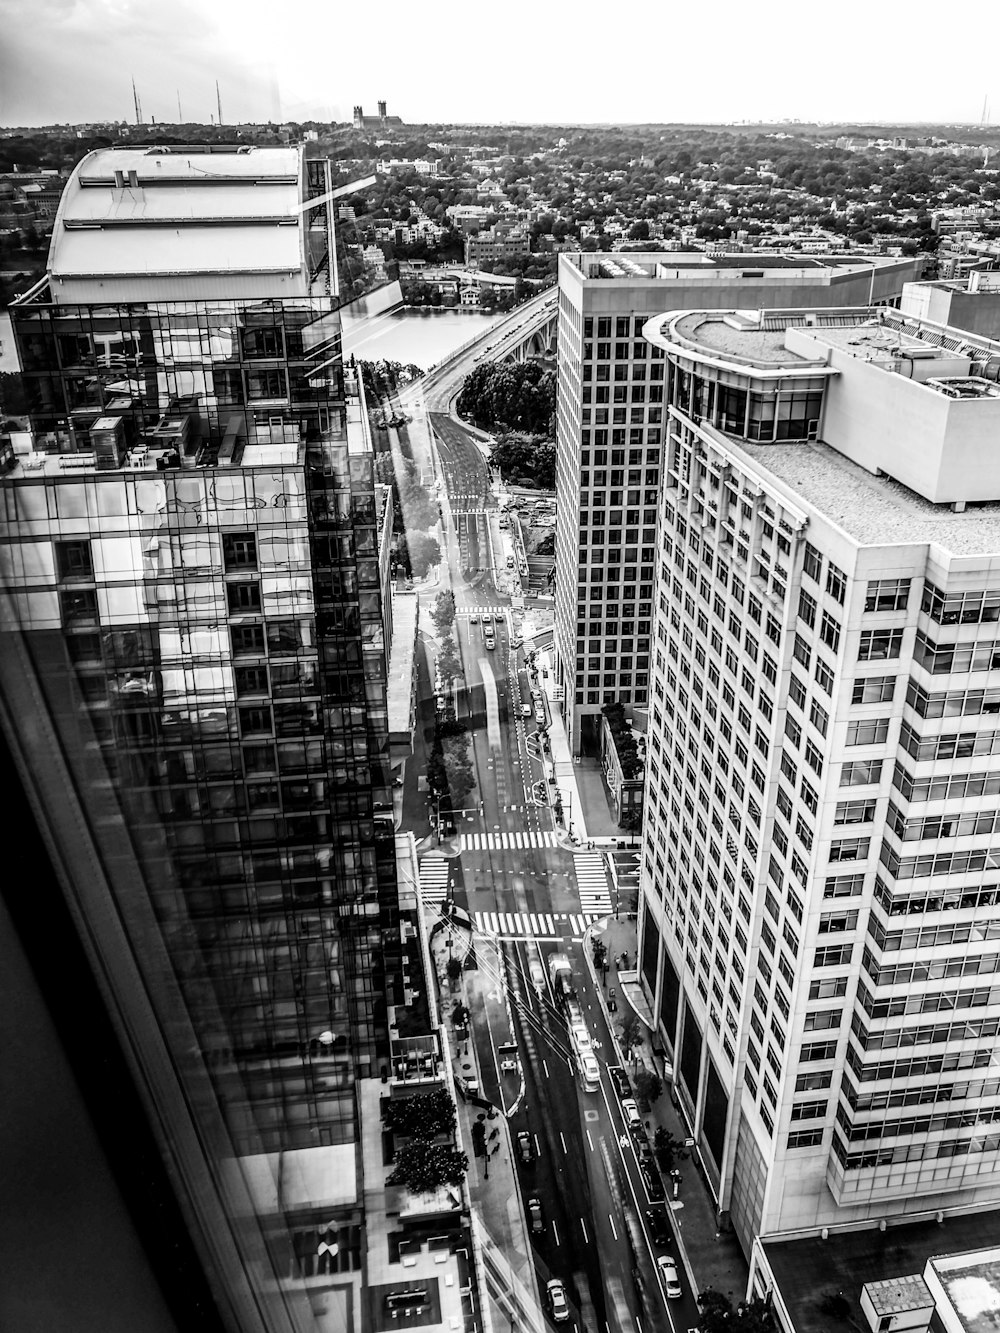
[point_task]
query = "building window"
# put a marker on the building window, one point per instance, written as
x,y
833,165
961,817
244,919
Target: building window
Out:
x,y
819,718
873,690
836,583
807,609
239,550
824,675
243,598
873,731
830,631
248,640
879,645
812,563
887,594
850,849
854,812
860,772
73,560
78,607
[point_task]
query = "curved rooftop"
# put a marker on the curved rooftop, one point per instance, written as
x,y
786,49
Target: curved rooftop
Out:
x,y
163,214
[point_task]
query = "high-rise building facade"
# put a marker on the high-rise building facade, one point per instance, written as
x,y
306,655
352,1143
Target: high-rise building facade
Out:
x,y
194,669
820,880
610,432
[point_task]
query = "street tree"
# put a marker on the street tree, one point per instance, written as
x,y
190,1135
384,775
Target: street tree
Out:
x,y
458,768
422,1166
718,1315
631,1033
425,1116
668,1149
648,1086
443,612
418,551
449,665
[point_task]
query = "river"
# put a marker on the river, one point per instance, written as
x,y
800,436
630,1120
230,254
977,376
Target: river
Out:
x,y
423,337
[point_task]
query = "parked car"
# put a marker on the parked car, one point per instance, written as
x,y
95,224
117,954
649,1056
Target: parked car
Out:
x,y
620,1079
659,1227
535,1219
655,1192
667,1268
473,620
491,643
525,1148
555,1295
526,710
631,1113
498,619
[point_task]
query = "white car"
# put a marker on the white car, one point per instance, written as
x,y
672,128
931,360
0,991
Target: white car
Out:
x,y
555,1294
631,1113
667,1269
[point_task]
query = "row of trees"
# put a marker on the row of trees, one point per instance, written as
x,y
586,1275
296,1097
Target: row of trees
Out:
x,y
625,743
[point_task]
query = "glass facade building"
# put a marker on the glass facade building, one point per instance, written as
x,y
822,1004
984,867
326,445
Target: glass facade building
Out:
x,y
193,663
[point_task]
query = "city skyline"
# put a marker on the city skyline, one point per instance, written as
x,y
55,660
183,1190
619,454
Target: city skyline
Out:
x,y
91,50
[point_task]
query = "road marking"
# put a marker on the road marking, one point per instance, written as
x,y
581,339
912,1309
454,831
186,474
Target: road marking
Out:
x,y
555,1230
538,1148
562,1141
614,1229
546,1068
583,1228
590,1141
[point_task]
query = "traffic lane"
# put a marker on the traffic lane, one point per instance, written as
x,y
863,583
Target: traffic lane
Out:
x,y
683,1312
566,1248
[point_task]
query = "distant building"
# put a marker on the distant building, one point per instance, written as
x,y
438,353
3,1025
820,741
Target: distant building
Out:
x,y
380,122
971,303
501,242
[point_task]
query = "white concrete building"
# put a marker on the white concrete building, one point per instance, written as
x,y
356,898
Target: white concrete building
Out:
x,y
820,887
609,439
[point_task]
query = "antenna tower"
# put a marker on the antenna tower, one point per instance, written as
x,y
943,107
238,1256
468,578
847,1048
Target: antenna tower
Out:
x,y
218,100
138,105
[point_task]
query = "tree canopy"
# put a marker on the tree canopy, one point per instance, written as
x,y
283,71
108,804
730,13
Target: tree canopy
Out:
x,y
422,1166
526,460
510,395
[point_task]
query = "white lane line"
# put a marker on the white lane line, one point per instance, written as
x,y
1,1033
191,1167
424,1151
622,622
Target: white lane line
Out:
x,y
583,1228
538,1150
545,1067
614,1229
590,1141
562,1141
555,1231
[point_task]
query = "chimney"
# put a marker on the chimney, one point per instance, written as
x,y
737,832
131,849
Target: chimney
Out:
x,y
381,110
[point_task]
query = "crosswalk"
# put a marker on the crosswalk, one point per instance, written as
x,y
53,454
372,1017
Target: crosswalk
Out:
x,y
433,879
504,842
592,882
481,611
533,925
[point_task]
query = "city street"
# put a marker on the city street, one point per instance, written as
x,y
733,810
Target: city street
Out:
x,y
531,894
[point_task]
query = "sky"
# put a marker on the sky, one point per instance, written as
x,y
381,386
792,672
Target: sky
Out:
x,y
74,60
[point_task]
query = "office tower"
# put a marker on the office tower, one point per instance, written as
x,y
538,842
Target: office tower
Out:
x,y
820,880
194,674
609,439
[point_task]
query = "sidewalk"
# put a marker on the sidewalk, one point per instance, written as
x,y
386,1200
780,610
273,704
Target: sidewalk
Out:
x,y
711,1258
492,1182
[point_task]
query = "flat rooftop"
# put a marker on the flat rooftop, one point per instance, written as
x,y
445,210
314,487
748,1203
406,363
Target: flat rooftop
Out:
x,y
663,266
399,687
156,211
808,1273
735,336
874,511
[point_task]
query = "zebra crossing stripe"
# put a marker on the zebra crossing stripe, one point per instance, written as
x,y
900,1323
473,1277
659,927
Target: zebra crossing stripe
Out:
x,y
496,842
434,878
520,925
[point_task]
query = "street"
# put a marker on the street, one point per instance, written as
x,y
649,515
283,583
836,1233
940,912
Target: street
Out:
x,y
531,894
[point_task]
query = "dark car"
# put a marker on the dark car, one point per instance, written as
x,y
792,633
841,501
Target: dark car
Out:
x,y
620,1079
654,1185
535,1219
659,1227
525,1147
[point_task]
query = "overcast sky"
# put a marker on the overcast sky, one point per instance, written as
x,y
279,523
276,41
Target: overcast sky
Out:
x,y
73,60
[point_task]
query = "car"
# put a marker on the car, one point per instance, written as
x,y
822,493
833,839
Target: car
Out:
x,y
590,1070
537,973
525,1148
555,1296
526,710
536,694
491,643
516,642
473,620
620,1080
540,715
659,1227
498,619
651,1179
631,1113
535,1218
667,1268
